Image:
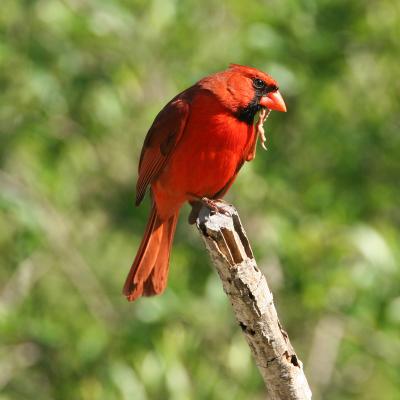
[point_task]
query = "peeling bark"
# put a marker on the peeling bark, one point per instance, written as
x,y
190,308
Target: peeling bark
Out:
x,y
252,302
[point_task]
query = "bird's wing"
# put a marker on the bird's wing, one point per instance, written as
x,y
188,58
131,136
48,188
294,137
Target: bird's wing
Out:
x,y
161,139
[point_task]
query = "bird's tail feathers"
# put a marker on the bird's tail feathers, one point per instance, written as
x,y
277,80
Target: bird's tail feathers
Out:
x,y
149,271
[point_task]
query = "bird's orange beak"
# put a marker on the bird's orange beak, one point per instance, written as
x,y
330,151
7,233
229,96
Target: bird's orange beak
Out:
x,y
273,101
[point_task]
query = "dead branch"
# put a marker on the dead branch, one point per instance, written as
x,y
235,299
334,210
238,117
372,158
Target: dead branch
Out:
x,y
252,302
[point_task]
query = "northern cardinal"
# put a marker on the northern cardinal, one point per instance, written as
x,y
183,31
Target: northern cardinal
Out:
x,y
192,153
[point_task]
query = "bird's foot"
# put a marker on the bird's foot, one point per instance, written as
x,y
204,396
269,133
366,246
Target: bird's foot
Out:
x,y
214,206
198,202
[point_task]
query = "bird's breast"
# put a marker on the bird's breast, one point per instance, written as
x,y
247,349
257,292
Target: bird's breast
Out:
x,y
208,156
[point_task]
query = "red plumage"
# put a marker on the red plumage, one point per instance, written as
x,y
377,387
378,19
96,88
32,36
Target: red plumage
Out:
x,y
194,149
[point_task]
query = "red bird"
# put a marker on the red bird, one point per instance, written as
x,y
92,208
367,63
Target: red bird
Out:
x,y
192,153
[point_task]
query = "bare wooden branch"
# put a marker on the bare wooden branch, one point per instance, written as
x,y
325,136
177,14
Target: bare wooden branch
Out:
x,y
253,304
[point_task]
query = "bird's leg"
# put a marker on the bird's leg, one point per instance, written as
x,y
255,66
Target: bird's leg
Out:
x,y
194,213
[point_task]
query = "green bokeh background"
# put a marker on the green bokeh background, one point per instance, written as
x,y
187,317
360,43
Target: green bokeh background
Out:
x,y
81,81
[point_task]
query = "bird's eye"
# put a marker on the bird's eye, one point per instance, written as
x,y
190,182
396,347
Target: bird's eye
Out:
x,y
258,83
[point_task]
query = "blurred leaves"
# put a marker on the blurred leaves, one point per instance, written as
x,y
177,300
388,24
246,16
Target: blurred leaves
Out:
x,y
81,82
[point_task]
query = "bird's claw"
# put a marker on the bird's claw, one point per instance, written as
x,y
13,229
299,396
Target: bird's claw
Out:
x,y
214,207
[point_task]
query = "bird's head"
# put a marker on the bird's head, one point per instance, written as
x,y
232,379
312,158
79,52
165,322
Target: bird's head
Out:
x,y
245,90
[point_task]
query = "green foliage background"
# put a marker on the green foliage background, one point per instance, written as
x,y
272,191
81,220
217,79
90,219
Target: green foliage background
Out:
x,y
81,81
